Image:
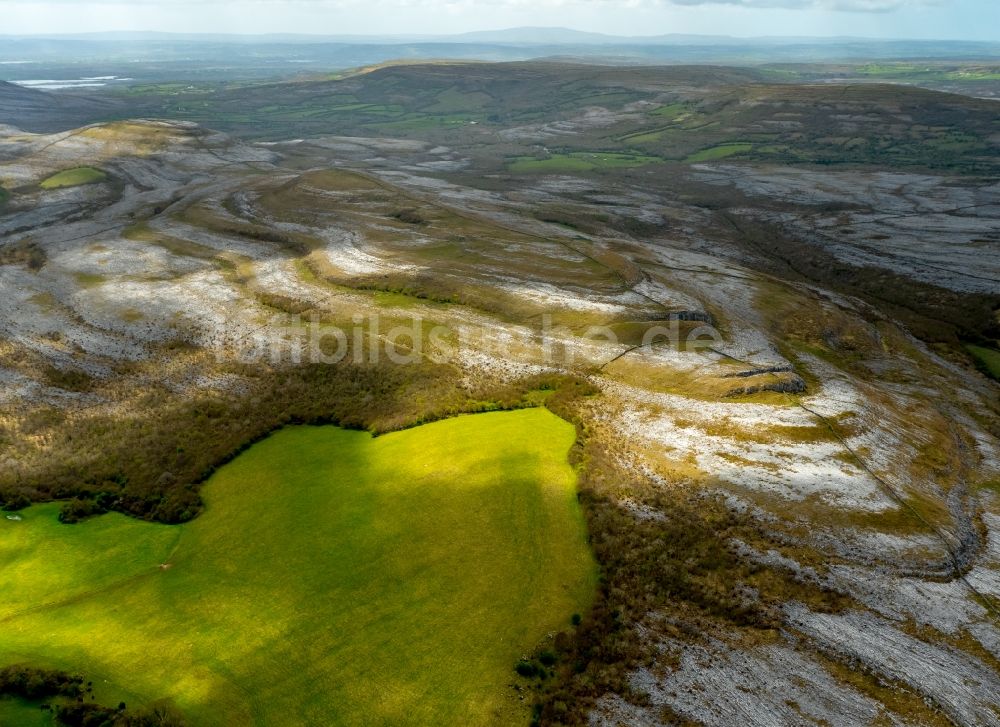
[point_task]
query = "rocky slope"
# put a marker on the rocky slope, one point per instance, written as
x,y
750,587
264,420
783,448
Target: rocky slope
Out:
x,y
868,461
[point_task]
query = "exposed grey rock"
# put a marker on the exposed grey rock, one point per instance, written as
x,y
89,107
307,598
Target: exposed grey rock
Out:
x,y
767,686
959,684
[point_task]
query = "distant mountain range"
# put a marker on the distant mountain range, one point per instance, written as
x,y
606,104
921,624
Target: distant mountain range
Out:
x,y
150,57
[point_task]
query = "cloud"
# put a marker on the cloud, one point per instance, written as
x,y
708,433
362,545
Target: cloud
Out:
x,y
870,6
848,5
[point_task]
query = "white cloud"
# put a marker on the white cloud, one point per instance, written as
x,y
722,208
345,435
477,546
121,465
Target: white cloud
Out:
x,y
845,5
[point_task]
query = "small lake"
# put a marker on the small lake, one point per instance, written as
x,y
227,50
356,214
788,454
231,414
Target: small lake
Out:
x,y
51,84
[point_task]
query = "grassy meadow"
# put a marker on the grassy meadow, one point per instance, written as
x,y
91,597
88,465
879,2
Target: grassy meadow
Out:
x,y
73,178
334,578
580,162
20,714
987,358
722,151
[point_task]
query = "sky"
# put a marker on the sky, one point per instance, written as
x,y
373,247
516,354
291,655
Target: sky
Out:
x,y
925,19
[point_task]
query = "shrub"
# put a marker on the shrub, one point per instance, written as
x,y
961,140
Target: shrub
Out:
x,y
68,379
76,510
526,669
32,683
27,682
158,714
15,501
410,216
23,253
78,714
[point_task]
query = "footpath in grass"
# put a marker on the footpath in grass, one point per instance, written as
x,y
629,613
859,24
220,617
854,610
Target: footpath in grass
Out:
x,y
334,578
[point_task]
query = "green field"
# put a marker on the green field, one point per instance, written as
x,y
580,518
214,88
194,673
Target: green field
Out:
x,y
988,358
670,111
15,713
719,152
74,178
580,162
334,578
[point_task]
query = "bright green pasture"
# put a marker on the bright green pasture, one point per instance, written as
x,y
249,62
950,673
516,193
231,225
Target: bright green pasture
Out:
x,y
580,162
670,111
333,579
74,178
988,357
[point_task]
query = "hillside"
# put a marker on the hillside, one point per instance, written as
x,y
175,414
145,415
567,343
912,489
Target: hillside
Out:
x,y
42,112
754,301
670,111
